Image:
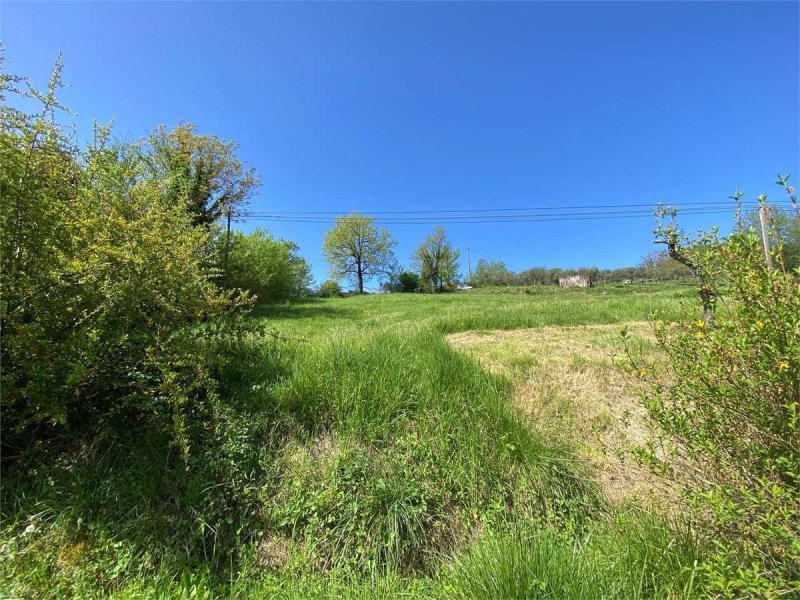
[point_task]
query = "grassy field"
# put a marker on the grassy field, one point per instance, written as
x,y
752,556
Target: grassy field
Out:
x,y
462,445
495,308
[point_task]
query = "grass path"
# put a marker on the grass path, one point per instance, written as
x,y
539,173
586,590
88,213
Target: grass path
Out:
x,y
559,348
570,383
378,446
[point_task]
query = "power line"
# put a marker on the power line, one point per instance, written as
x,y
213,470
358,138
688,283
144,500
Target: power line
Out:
x,y
565,214
526,219
649,206
474,217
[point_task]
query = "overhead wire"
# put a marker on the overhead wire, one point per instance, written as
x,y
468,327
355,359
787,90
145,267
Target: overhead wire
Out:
x,y
488,215
648,206
526,218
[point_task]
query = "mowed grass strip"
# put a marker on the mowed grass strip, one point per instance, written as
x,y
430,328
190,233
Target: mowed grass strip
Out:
x,y
573,385
361,456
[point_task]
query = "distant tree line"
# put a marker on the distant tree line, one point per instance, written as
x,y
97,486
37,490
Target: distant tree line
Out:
x,y
358,251
656,266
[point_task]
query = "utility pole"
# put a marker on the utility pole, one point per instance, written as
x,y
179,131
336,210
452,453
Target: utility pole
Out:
x,y
469,268
228,241
762,215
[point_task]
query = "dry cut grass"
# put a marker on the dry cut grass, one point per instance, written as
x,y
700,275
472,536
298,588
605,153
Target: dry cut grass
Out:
x,y
570,384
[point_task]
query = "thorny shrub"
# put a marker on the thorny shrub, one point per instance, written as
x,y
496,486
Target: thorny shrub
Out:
x,y
725,404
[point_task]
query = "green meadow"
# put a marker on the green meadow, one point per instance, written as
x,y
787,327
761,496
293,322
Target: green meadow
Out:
x,y
366,301
362,453
480,309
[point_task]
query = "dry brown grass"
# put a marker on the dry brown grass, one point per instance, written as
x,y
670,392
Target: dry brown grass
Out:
x,y
570,383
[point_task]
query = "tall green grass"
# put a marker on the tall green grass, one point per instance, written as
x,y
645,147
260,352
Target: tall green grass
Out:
x,y
400,448
356,316
632,557
353,455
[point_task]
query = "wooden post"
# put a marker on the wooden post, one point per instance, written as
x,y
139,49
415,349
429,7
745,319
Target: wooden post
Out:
x,y
228,241
762,215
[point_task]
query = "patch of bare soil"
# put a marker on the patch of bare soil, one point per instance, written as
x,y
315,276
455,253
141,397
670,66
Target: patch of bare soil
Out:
x,y
569,382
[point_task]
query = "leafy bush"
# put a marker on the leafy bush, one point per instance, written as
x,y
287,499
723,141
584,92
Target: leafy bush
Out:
x,y
329,289
88,518
409,282
269,268
107,300
726,402
404,282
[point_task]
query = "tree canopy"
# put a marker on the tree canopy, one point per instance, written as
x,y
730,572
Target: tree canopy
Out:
x,y
358,250
269,268
437,261
492,273
198,171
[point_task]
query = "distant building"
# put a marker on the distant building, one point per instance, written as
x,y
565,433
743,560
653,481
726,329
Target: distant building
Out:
x,y
463,286
575,281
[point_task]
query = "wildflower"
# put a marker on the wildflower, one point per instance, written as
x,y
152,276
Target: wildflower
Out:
x,y
700,323
759,324
642,372
783,366
699,335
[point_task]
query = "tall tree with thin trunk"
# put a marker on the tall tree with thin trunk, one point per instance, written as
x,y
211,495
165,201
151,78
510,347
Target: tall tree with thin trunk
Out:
x,y
437,261
357,249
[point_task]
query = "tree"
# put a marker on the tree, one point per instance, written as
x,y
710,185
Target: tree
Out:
x,y
269,268
437,261
355,248
669,233
329,289
492,273
404,282
201,172
107,307
783,228
723,400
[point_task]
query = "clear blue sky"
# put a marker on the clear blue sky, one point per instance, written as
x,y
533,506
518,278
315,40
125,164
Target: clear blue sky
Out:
x,y
423,106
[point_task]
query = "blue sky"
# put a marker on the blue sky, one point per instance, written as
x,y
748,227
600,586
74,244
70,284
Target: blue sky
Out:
x,y
440,106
